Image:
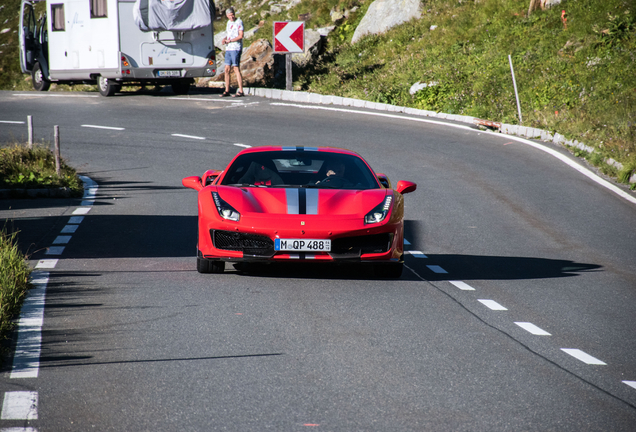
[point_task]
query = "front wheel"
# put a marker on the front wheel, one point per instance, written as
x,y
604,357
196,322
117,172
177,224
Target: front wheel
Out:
x,y
206,266
107,87
40,83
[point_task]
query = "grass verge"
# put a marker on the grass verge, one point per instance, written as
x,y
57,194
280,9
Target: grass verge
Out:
x,y
24,168
14,280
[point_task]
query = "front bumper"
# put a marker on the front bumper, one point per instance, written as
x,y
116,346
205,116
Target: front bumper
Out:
x,y
360,244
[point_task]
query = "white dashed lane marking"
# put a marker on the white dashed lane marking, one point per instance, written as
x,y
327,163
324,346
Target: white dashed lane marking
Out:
x,y
462,285
242,145
529,327
188,136
81,210
20,405
583,356
416,254
11,122
632,384
436,269
104,127
491,304
46,264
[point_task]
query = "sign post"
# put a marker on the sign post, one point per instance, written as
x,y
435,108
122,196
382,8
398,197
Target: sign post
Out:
x,y
289,37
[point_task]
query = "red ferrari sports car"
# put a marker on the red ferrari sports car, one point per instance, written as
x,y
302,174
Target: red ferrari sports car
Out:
x,y
299,203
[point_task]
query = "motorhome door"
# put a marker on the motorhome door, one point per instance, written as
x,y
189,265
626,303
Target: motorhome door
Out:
x,y
27,36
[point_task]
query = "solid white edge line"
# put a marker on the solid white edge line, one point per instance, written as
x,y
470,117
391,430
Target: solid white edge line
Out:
x,y
203,99
531,328
55,95
104,127
491,304
541,147
188,136
462,285
62,239
583,356
20,405
26,359
630,383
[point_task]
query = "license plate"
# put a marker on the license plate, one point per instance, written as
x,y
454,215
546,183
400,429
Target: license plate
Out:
x,y
302,245
169,73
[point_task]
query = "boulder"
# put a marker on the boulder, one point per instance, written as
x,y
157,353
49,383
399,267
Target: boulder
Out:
x,y
313,45
257,66
385,14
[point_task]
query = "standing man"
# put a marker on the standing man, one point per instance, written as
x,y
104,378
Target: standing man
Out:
x,y
234,41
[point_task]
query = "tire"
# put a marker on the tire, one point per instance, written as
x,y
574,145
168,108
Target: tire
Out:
x,y
107,87
389,271
181,87
207,266
40,83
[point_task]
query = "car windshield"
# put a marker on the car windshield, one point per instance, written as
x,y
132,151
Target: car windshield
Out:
x,y
311,169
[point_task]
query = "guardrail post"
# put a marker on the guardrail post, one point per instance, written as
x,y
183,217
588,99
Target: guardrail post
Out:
x,y
58,170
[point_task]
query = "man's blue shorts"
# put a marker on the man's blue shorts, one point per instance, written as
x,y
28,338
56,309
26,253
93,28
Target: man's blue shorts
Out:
x,y
233,58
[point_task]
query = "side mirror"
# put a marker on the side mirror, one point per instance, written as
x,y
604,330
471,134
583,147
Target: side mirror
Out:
x,y
209,176
384,180
192,182
404,186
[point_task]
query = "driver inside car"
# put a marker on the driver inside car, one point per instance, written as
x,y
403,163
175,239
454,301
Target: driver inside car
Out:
x,y
260,175
335,176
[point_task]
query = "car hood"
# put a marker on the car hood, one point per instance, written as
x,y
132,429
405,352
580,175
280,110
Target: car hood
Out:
x,y
290,201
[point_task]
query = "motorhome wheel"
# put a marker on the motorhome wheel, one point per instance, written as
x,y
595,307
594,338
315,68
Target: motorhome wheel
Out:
x,y
40,83
107,87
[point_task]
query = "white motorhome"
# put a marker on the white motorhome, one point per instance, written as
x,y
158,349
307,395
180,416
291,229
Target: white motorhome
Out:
x,y
117,42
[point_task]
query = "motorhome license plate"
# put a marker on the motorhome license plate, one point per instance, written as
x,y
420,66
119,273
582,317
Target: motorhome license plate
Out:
x,y
169,73
302,245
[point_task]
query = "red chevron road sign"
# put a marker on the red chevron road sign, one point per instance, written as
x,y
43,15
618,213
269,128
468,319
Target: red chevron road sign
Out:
x,y
289,36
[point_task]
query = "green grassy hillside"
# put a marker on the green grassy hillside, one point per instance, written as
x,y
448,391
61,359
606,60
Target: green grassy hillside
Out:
x,y
579,81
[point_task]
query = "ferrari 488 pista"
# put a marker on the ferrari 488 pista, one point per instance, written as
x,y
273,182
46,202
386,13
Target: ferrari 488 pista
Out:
x,y
274,204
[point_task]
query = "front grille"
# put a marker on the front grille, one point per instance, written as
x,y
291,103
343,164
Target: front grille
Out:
x,y
249,244
376,243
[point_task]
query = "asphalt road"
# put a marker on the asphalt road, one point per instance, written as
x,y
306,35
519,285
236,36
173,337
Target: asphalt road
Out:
x,y
134,339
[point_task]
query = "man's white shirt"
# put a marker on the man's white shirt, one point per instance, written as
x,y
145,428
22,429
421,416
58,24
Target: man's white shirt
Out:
x,y
232,31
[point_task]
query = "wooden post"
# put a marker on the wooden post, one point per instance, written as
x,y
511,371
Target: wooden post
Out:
x,y
30,128
288,72
58,170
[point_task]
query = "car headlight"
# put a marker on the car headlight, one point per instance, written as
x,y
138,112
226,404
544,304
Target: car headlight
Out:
x,y
378,214
225,210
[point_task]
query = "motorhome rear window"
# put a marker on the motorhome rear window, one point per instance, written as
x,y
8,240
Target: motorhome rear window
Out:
x,y
98,9
57,12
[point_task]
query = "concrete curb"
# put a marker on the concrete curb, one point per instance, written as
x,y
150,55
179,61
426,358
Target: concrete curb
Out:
x,y
35,193
508,129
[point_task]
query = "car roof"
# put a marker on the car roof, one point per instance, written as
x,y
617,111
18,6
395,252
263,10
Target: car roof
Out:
x,y
298,148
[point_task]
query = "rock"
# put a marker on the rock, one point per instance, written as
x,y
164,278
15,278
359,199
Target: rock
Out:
x,y
275,9
248,34
547,4
324,31
313,44
257,66
385,14
218,38
336,15
292,3
420,86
